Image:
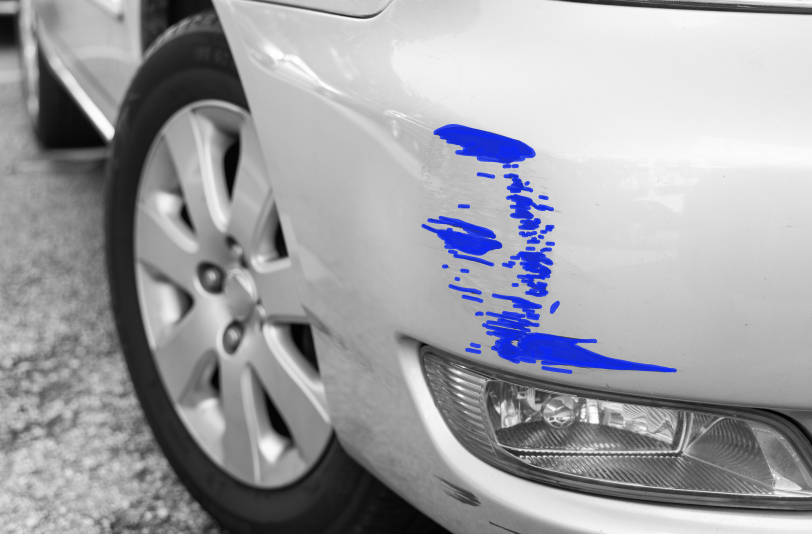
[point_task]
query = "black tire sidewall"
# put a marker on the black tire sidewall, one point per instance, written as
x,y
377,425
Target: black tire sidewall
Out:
x,y
190,67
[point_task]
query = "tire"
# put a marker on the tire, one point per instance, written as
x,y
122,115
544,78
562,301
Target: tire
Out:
x,y
191,65
57,119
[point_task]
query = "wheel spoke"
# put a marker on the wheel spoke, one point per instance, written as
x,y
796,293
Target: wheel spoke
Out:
x,y
270,444
181,348
296,390
164,247
186,216
240,443
251,199
277,286
197,148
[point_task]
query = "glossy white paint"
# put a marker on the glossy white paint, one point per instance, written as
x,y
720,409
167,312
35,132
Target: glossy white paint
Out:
x,y
674,147
350,8
112,7
9,7
96,116
99,41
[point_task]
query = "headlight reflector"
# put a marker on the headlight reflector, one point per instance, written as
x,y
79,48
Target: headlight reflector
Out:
x,y
668,452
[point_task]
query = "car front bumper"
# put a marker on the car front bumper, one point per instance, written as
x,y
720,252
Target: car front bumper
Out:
x,y
386,418
674,146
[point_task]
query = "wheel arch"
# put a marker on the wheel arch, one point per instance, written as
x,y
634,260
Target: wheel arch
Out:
x,y
158,15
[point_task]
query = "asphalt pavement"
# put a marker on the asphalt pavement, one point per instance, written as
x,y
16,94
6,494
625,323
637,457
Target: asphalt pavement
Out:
x,y
76,455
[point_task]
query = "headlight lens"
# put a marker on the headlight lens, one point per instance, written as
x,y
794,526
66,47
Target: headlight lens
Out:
x,y
670,453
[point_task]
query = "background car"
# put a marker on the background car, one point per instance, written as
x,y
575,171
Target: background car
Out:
x,y
9,7
530,266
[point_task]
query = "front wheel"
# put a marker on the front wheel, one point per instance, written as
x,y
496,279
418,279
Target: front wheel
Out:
x,y
204,295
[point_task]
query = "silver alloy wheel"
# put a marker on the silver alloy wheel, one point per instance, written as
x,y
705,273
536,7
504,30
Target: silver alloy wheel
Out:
x,y
218,297
28,55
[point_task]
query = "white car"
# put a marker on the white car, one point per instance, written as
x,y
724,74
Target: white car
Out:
x,y
527,265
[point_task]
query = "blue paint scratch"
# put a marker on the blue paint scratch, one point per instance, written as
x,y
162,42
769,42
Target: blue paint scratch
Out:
x,y
473,239
485,146
556,370
516,341
465,289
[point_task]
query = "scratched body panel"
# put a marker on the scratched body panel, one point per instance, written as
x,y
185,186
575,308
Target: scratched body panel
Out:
x,y
680,235
681,220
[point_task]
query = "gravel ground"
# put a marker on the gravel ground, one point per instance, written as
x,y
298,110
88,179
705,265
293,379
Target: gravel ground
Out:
x,y
76,454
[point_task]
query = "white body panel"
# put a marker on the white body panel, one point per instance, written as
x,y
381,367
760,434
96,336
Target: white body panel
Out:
x,y
674,147
350,8
99,41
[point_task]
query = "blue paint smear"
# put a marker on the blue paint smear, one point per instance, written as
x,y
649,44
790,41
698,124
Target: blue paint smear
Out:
x,y
465,289
557,350
474,351
528,307
445,266
468,228
532,347
556,370
473,239
516,340
516,185
484,146
464,271
472,258
463,206
476,345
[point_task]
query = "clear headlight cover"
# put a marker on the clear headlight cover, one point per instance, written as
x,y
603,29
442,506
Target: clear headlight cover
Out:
x,y
669,453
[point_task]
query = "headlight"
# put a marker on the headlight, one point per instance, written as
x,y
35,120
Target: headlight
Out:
x,y
635,449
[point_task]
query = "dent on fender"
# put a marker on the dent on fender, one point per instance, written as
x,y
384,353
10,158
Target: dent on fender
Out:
x,y
517,337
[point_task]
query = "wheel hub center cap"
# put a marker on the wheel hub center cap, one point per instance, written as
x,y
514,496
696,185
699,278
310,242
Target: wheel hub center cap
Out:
x,y
241,293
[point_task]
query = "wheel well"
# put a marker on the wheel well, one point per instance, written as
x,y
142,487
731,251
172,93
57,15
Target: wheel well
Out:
x,y
158,15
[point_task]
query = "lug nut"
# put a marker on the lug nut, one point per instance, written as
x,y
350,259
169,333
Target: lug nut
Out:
x,y
236,250
211,278
232,337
